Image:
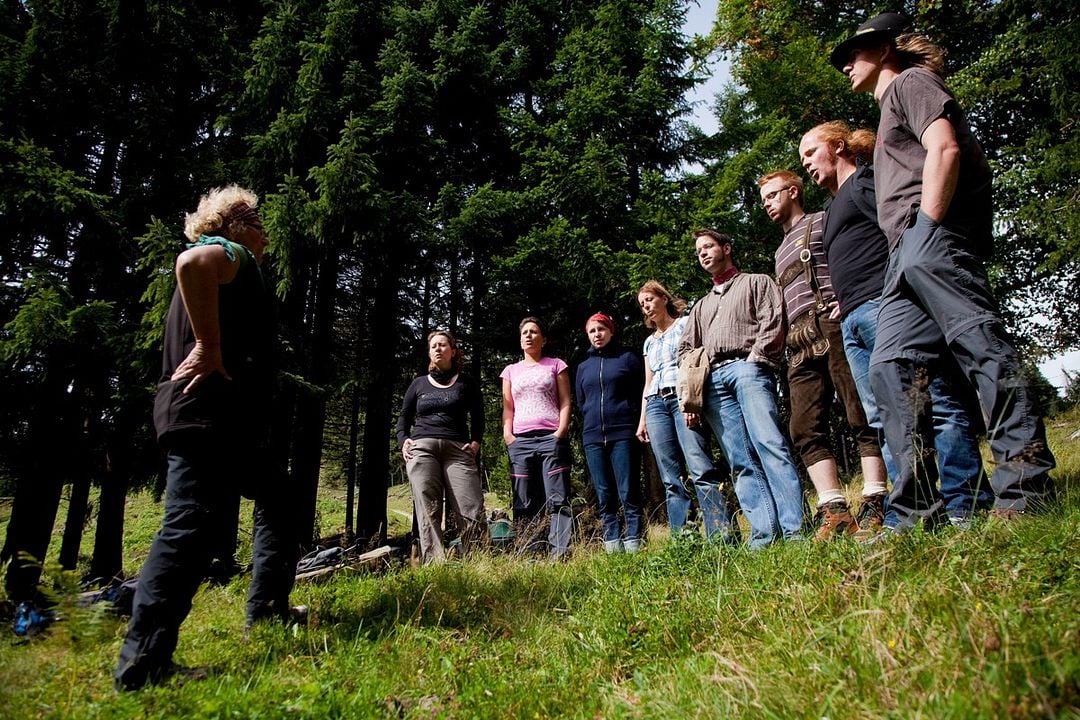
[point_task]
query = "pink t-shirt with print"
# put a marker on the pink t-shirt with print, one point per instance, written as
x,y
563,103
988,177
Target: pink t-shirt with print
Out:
x,y
535,390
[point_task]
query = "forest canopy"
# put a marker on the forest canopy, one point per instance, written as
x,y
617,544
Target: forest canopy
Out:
x,y
439,163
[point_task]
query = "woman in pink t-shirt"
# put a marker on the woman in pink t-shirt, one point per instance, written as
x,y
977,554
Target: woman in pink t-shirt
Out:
x,y
536,424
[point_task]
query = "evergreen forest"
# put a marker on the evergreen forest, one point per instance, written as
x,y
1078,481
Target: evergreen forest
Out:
x,y
432,164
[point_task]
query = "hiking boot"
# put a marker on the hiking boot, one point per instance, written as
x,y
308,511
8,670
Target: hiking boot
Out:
x,y
183,674
1006,514
871,517
833,520
135,677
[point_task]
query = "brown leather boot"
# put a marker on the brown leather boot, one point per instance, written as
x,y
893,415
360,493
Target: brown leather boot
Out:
x,y
871,516
834,520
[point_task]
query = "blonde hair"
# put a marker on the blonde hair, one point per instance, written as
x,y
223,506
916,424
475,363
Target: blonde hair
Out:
x,y
675,306
916,50
217,213
857,143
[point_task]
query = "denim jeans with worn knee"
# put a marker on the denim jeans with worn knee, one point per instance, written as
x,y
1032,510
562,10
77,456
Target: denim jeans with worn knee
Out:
x,y
740,406
675,445
964,485
615,471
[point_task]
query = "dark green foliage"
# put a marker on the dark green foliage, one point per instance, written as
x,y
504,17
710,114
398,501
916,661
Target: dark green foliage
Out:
x,y
453,165
106,120
438,163
1010,64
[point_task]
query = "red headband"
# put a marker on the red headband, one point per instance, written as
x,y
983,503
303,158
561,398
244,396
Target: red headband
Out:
x,y
242,213
603,320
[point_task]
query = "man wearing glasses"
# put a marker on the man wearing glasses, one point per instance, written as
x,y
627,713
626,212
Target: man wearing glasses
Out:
x,y
740,327
817,367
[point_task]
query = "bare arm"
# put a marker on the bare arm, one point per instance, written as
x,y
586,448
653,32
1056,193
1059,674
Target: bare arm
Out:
x,y
642,431
563,383
199,273
941,169
508,412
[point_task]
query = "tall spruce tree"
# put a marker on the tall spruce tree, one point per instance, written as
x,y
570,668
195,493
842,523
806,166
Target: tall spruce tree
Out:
x,y
109,110
1009,64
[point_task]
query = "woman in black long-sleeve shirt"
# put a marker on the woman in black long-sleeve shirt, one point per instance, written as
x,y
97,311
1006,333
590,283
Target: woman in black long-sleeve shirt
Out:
x,y
440,429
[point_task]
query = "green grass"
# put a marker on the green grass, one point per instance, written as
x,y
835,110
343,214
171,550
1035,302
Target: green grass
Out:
x,y
984,623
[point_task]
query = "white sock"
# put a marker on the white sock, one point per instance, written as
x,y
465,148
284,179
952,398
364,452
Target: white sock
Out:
x,y
830,496
870,489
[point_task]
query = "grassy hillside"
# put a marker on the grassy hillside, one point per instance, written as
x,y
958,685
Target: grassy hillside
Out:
x,y
981,623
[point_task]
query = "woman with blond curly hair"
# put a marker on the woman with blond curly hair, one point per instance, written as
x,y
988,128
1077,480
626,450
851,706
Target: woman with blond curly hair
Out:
x,y
211,414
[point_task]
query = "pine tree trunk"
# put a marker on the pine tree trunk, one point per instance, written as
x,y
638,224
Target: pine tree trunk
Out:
x,y
375,475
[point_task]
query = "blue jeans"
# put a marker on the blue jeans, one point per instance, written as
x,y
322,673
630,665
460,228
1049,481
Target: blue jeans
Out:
x,y
614,468
675,445
964,485
740,406
936,286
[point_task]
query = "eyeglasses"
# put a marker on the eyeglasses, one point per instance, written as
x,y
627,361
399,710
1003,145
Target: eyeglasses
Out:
x,y
768,197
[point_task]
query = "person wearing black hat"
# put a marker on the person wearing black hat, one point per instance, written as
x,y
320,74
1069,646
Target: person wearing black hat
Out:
x,y
933,188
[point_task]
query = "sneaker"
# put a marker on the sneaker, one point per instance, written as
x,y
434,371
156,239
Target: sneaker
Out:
x,y
960,522
871,517
298,614
833,520
631,545
613,546
884,535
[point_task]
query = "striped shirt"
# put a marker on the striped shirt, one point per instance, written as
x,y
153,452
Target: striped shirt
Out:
x,y
741,318
798,295
661,353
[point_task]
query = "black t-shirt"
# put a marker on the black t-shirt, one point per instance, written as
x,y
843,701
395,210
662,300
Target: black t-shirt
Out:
x,y
453,413
855,246
243,405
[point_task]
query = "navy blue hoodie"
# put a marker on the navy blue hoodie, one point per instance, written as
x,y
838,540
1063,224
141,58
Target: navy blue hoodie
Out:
x,y
609,383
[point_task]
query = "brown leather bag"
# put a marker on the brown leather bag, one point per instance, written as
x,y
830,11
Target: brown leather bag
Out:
x,y
806,337
690,380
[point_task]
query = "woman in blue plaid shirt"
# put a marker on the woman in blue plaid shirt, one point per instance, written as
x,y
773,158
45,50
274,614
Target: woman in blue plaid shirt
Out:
x,y
677,446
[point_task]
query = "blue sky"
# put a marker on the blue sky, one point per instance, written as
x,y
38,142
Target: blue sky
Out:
x,y
699,20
